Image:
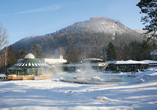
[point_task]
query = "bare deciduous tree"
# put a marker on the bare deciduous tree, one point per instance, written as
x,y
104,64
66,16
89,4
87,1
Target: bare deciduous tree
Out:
x,y
3,37
3,48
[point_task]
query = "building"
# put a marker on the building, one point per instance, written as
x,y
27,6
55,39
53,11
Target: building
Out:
x,y
126,66
54,61
151,63
154,55
30,66
88,63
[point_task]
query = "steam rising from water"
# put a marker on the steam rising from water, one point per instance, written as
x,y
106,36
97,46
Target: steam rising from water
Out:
x,y
87,71
87,74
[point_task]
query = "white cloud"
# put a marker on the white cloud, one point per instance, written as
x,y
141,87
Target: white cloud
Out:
x,y
43,9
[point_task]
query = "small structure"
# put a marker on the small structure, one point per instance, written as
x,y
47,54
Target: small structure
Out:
x,y
126,66
54,61
28,66
95,63
151,63
154,54
90,63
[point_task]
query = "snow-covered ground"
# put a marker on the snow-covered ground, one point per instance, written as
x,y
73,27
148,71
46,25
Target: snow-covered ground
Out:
x,y
140,93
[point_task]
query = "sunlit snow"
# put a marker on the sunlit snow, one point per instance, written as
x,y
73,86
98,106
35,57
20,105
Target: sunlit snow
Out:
x,y
140,93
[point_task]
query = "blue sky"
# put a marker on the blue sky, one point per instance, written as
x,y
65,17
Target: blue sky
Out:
x,y
23,18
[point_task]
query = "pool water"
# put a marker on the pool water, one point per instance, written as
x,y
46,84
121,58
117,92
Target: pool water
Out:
x,y
93,77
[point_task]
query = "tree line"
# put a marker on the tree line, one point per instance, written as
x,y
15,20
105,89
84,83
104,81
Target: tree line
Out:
x,y
77,46
132,51
75,52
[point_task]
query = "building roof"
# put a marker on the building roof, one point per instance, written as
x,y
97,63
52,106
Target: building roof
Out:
x,y
127,62
29,62
92,59
30,56
150,61
52,61
130,62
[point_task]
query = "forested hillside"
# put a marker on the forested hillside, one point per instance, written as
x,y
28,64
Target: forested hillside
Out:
x,y
84,39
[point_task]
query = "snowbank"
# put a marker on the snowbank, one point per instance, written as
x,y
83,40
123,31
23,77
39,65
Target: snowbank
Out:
x,y
149,76
2,75
140,93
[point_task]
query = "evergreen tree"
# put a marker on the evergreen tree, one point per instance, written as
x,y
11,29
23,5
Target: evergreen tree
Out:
x,y
20,54
36,51
11,59
111,52
131,50
149,9
125,51
144,51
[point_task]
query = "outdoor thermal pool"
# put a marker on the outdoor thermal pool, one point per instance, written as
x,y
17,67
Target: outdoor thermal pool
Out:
x,y
94,77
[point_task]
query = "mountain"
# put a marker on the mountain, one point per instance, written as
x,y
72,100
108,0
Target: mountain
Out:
x,y
25,41
94,33
140,31
97,24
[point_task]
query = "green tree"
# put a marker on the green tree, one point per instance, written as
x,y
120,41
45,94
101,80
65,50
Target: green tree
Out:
x,y
144,51
36,51
131,50
149,8
111,52
20,54
11,59
125,54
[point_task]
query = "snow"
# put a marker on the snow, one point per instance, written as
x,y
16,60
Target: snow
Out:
x,y
130,62
2,75
140,94
30,56
149,61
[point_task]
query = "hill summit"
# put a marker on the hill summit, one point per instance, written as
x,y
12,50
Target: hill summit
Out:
x,y
97,24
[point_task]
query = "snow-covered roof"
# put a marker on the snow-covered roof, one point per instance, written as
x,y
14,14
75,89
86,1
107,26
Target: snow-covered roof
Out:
x,y
129,62
53,61
91,59
149,61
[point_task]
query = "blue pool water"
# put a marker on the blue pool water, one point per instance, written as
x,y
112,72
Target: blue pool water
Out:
x,y
93,77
